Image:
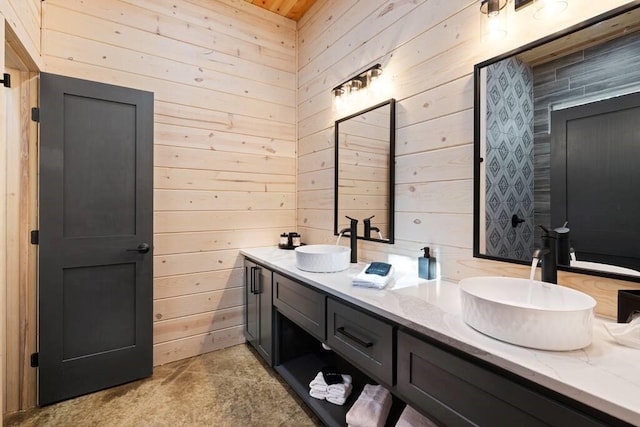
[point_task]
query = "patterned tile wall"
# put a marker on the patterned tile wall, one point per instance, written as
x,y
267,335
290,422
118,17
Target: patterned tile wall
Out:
x,y
509,159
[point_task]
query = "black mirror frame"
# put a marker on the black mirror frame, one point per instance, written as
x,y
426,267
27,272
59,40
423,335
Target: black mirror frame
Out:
x,y
477,160
392,169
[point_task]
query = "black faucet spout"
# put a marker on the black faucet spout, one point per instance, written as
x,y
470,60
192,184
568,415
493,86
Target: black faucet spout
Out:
x,y
353,237
548,254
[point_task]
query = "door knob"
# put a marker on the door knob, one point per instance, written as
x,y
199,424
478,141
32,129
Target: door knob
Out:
x,y
142,248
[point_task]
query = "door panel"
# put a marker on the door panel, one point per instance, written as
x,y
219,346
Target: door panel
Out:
x,y
594,154
99,205
96,207
99,307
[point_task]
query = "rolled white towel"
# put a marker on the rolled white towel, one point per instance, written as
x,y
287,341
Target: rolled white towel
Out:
x,y
372,280
371,408
412,418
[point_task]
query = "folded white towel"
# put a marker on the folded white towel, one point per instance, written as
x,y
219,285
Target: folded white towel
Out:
x,y
336,400
625,333
318,387
339,389
342,391
318,383
318,394
372,407
372,280
339,399
412,418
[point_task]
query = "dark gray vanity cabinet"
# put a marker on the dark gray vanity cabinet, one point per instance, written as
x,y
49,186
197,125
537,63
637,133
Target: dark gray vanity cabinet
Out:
x,y
288,322
301,304
361,338
457,392
258,291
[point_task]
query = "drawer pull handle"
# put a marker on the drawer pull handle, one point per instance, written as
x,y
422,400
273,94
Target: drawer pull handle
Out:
x,y
343,331
256,280
252,280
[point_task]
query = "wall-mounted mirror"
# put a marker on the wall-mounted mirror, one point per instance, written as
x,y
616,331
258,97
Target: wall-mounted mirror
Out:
x,y
364,180
557,144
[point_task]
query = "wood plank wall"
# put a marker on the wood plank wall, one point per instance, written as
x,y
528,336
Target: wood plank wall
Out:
x,y
427,49
223,74
23,21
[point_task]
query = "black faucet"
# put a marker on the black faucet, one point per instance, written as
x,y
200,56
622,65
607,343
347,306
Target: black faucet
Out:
x,y
353,235
368,228
548,255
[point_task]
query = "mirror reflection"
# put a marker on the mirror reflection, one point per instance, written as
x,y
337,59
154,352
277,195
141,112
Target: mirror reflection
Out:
x,y
558,141
364,172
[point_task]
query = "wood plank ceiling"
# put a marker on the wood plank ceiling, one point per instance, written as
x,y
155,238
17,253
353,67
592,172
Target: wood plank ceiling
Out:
x,y
292,9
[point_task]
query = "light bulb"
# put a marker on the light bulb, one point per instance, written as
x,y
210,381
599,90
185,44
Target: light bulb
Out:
x,y
495,29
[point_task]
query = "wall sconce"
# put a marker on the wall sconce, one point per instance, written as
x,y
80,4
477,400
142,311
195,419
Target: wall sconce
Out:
x,y
351,89
495,26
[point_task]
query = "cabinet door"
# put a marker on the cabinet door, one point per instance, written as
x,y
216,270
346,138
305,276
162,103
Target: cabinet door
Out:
x,y
305,306
264,290
458,392
250,303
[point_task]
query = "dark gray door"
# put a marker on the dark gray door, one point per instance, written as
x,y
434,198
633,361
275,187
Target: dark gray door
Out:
x,y
96,212
594,153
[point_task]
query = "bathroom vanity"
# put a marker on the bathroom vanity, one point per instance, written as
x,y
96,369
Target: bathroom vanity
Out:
x,y
410,338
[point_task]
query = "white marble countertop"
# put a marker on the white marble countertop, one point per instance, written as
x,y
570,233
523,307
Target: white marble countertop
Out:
x,y
604,375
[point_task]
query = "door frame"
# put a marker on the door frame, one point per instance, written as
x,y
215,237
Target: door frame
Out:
x,y
18,216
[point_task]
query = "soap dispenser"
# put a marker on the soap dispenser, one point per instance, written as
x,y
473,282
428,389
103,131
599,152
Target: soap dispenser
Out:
x,y
426,265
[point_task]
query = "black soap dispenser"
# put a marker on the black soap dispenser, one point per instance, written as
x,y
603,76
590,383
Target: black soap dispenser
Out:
x,y
426,265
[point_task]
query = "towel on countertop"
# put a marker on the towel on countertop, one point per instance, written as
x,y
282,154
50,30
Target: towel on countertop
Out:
x,y
412,418
372,280
372,407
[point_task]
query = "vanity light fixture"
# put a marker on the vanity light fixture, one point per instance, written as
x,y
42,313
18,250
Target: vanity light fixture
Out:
x,y
350,88
492,8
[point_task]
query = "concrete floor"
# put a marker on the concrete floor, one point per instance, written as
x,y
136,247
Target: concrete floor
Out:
x,y
230,387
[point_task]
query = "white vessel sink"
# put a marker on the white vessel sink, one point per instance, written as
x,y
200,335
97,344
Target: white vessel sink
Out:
x,y
323,258
528,313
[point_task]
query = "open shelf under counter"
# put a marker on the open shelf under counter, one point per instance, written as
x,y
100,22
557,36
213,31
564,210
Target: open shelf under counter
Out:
x,y
298,367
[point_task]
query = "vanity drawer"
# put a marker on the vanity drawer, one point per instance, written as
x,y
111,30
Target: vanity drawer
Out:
x,y
364,340
299,303
456,391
